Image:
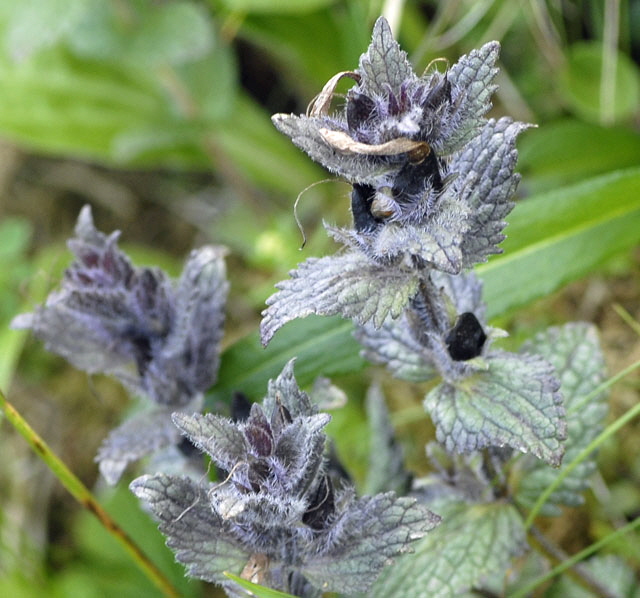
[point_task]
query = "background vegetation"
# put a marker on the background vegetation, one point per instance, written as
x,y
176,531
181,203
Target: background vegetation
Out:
x,y
157,113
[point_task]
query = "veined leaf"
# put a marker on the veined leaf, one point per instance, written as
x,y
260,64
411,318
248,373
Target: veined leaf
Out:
x,y
515,403
470,543
556,237
575,353
322,346
349,285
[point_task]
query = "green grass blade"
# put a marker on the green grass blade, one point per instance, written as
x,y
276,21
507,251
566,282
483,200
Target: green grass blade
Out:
x,y
556,237
609,431
322,347
576,558
81,493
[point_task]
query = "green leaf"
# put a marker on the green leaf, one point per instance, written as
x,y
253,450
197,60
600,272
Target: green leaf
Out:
x,y
276,6
253,589
568,151
348,284
574,351
321,346
386,468
515,402
309,51
252,143
35,24
593,96
172,33
470,543
143,34
556,237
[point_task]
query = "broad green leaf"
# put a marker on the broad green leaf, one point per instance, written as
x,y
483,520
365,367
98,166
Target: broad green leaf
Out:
x,y
581,83
322,347
574,351
33,25
255,147
556,237
276,6
172,33
144,34
58,104
313,49
567,151
472,541
348,284
514,402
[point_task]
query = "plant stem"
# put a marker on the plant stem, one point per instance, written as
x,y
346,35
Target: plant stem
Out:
x,y
81,493
592,446
583,554
583,575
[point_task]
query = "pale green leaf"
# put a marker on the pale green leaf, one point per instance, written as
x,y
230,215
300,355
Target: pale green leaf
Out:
x,y
515,402
36,24
569,150
386,466
555,237
276,6
349,285
471,543
322,347
581,83
575,353
172,33
384,67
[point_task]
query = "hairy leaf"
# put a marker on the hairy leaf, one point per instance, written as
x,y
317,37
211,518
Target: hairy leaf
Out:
x,y
215,435
305,133
195,532
438,242
384,67
486,180
515,403
349,285
394,346
473,77
375,529
141,435
574,351
472,542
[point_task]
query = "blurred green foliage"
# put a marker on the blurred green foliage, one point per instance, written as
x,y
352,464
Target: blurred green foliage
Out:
x,y
189,86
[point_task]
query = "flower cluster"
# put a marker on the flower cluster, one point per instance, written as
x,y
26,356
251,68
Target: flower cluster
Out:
x,y
277,517
432,182
139,326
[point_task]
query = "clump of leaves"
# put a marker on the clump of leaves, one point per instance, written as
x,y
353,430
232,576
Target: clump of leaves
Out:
x,y
278,517
136,324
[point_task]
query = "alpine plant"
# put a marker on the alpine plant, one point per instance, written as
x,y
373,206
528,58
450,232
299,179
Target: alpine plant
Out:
x,y
278,516
433,180
139,326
